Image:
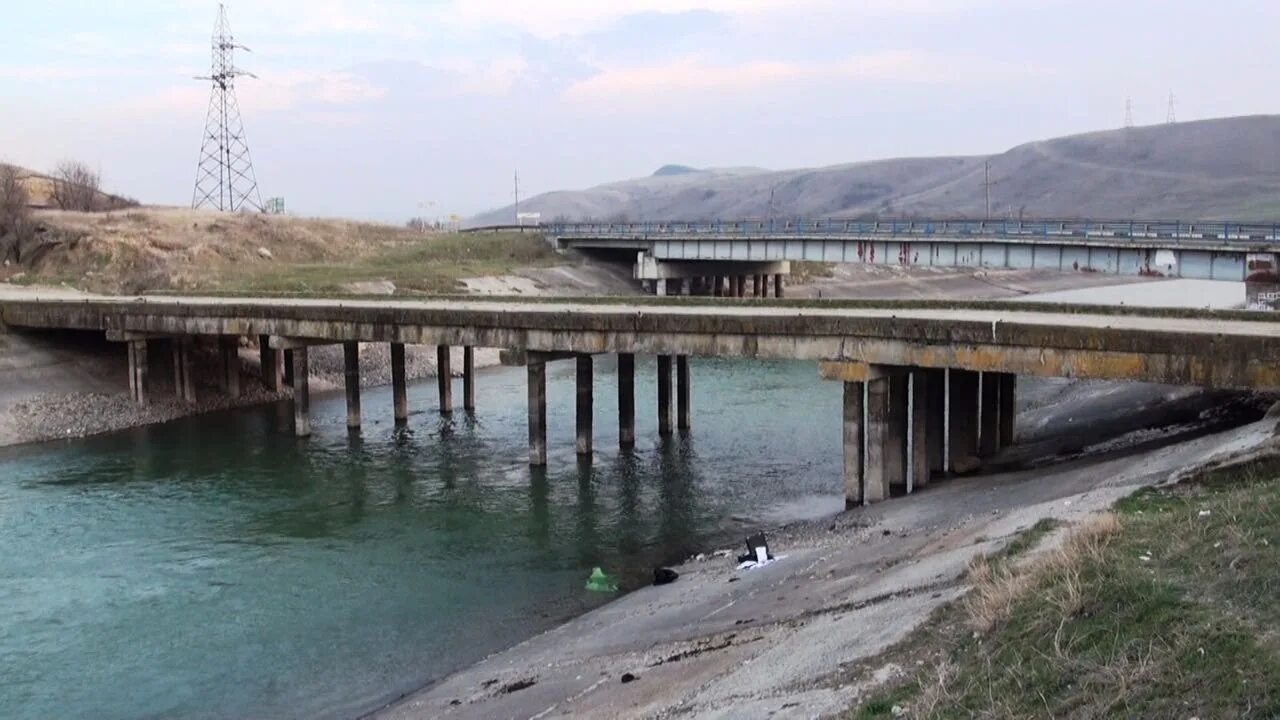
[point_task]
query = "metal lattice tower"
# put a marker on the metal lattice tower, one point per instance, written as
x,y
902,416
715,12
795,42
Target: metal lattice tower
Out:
x,y
1128,112
224,177
1171,116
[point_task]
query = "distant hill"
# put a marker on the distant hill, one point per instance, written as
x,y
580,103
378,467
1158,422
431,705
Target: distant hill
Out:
x,y
1212,169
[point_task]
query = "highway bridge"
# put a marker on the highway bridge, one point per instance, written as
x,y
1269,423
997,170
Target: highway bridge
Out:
x,y
928,387
707,253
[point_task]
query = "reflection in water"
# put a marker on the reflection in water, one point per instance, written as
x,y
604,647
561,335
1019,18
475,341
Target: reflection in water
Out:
x,y
219,567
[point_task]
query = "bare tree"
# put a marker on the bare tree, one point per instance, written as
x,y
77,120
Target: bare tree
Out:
x,y
15,210
75,186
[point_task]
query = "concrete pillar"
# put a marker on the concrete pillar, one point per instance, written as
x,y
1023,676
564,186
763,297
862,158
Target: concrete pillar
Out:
x,y
777,285
399,389
287,373
626,400
444,377
138,371
936,420
683,419
537,412
229,354
879,443
989,416
900,420
660,288
717,285
586,382
1008,407
469,379
184,383
301,393
764,285
271,364
755,285
962,420
742,286
918,438
351,365
664,395
853,411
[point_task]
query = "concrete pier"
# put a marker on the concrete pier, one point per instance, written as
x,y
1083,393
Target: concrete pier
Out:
x,y
399,387
684,421
1008,407
989,420
918,436
138,361
301,393
626,400
229,356
586,384
755,286
351,366
936,420
852,442
286,373
469,379
184,383
664,395
271,364
777,285
962,420
444,378
537,368
880,445
899,426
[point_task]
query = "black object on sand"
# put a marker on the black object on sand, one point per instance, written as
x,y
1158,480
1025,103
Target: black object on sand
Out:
x,y
664,576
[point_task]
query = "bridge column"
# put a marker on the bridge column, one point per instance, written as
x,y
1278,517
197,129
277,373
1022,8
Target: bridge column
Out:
x,y
683,420
853,450
287,372
138,371
660,287
755,285
537,367
468,378
716,286
896,462
586,382
351,366
184,384
271,364
962,421
399,390
664,395
918,439
626,400
777,285
882,442
444,378
742,286
229,354
1008,407
936,419
301,393
989,433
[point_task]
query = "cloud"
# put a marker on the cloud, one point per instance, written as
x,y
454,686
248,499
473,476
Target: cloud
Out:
x,y
290,90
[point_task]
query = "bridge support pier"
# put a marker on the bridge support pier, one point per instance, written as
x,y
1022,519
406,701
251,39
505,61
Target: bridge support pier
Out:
x,y
444,378
399,389
755,286
882,441
936,419
989,416
229,354
853,443
469,379
918,431
286,374
351,366
683,419
271,364
777,285
301,393
1008,407
184,384
962,421
664,395
537,368
626,400
586,383
138,370
896,462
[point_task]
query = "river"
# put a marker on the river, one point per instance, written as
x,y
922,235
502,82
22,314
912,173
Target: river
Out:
x,y
218,567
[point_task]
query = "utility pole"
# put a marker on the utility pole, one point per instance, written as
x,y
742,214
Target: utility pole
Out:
x,y
224,176
986,183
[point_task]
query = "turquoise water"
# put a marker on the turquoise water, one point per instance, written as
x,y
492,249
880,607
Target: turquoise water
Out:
x,y
218,567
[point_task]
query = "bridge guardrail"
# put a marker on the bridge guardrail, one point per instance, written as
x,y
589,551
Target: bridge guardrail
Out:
x,y
1226,232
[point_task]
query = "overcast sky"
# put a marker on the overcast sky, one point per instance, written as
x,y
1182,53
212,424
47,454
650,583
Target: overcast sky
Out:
x,y
376,109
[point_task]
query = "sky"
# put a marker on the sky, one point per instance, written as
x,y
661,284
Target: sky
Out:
x,y
390,109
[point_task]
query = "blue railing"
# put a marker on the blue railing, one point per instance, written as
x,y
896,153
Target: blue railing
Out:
x,y
1227,232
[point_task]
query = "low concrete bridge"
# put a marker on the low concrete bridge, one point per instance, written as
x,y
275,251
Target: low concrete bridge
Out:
x,y
682,252
928,387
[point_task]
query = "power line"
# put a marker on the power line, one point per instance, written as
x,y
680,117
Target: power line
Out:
x,y
224,175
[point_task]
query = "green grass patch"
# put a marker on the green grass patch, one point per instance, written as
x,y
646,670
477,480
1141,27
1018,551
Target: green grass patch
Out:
x,y
1173,614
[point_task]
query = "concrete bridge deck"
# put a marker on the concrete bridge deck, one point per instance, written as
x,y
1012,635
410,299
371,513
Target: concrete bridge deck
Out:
x,y
928,386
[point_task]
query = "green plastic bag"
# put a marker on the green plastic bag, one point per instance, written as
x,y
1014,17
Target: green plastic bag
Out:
x,y
599,582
